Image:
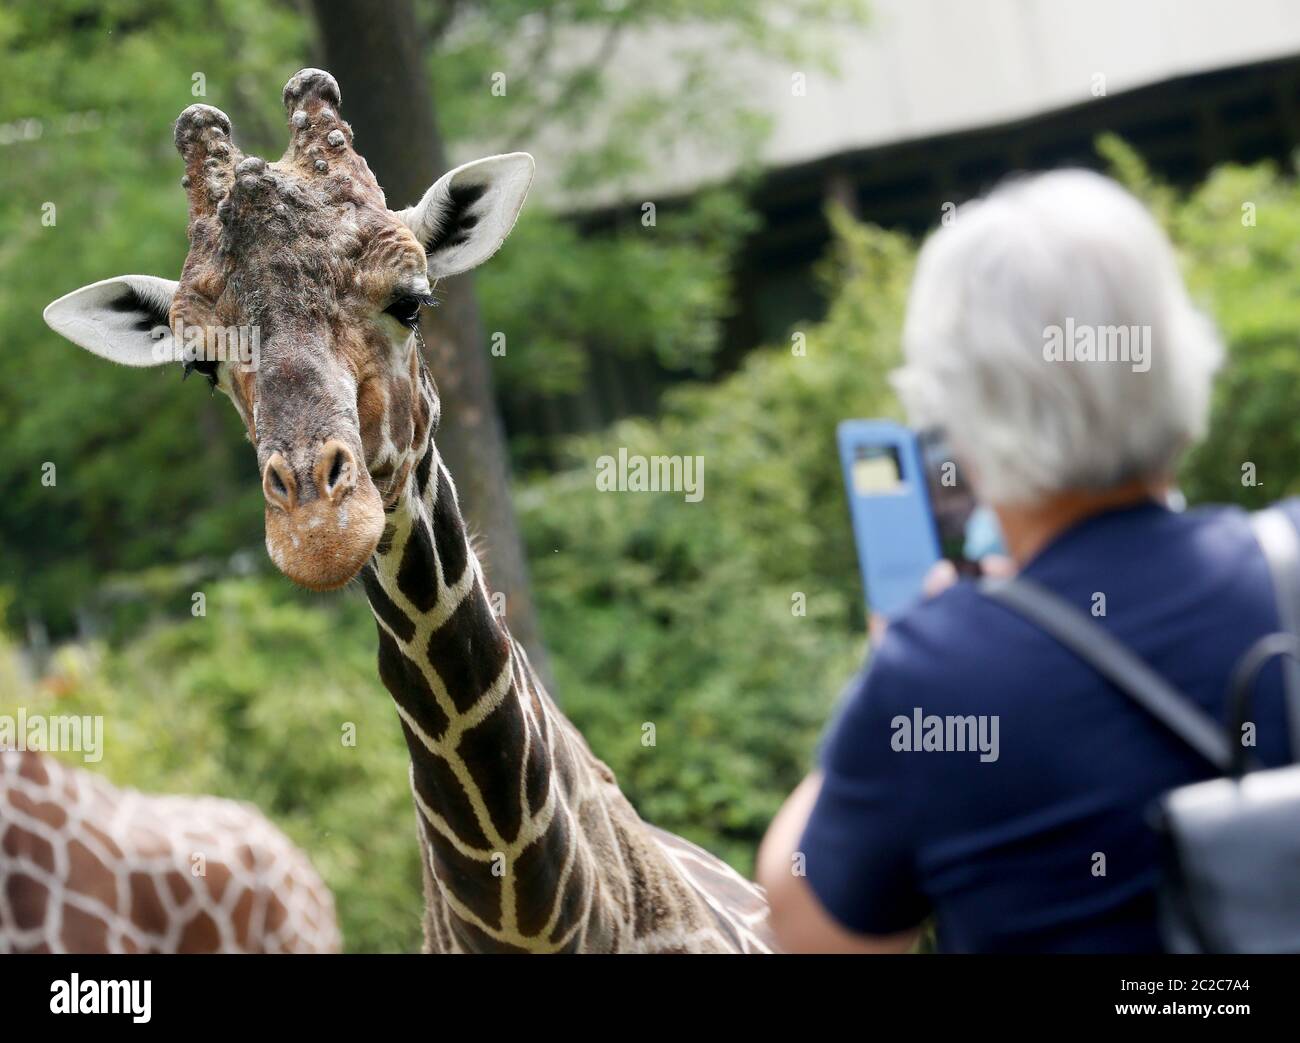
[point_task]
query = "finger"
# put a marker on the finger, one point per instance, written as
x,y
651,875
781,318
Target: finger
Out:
x,y
999,566
942,575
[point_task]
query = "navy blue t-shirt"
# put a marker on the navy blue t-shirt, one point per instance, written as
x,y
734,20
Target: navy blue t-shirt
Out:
x,y
1040,843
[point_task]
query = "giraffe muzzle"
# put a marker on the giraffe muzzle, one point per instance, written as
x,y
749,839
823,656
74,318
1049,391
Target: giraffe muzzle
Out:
x,y
323,520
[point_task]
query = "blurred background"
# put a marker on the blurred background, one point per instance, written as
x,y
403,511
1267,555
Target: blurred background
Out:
x,y
714,262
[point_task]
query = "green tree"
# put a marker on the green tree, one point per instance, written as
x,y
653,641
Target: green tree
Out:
x,y
1238,236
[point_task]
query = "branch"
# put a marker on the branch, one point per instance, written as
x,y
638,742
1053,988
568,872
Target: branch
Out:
x,y
604,54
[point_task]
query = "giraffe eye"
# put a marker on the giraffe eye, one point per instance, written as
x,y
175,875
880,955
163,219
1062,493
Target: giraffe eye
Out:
x,y
406,308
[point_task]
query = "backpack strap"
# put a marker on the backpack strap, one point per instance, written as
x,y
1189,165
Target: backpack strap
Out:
x,y
1280,543
1095,645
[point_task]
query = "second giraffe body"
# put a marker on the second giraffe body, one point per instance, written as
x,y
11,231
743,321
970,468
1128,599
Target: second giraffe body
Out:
x,y
86,867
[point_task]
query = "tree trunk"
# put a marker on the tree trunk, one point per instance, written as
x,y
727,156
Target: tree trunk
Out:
x,y
376,53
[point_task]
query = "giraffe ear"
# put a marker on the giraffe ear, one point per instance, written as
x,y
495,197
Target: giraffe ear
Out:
x,y
123,319
466,215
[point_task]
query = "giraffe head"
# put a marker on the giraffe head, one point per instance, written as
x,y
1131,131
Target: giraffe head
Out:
x,y
299,300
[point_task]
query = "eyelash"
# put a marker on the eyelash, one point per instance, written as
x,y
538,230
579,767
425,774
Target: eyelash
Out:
x,y
406,309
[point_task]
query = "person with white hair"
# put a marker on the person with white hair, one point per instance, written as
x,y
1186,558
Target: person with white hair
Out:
x,y
978,772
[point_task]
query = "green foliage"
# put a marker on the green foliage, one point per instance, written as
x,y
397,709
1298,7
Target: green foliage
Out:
x,y
684,615
659,291
99,85
1238,235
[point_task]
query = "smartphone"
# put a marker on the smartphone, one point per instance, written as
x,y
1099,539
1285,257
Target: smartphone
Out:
x,y
889,504
909,507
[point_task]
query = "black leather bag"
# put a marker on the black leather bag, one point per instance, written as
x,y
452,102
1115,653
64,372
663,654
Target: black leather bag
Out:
x,y
1230,880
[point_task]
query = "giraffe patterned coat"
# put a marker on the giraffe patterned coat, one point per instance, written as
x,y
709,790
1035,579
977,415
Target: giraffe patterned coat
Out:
x,y
89,868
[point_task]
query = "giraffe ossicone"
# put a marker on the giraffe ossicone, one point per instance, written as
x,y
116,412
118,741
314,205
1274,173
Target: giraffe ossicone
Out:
x,y
527,842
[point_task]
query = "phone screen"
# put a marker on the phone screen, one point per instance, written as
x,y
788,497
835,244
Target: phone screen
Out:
x,y
876,470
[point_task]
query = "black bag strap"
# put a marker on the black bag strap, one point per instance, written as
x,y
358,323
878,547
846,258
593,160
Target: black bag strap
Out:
x,y
1242,686
1280,542
1095,646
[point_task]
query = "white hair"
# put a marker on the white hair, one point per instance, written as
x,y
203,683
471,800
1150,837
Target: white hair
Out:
x,y
997,294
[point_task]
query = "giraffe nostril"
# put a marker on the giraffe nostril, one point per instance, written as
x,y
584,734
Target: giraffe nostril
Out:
x,y
278,485
336,470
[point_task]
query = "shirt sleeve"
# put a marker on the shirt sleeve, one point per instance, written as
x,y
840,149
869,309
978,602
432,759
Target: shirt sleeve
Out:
x,y
858,844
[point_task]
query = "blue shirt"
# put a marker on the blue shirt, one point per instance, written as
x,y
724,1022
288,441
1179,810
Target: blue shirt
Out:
x,y
1041,843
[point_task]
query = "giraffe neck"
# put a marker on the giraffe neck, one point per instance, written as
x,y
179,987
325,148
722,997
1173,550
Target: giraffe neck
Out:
x,y
496,773
527,842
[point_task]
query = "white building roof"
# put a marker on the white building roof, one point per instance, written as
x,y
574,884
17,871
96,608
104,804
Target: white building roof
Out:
x,y
926,67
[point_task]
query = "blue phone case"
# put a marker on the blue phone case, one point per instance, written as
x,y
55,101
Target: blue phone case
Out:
x,y
889,503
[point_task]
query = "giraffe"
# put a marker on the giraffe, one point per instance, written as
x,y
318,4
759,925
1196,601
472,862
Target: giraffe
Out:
x,y
89,868
527,843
